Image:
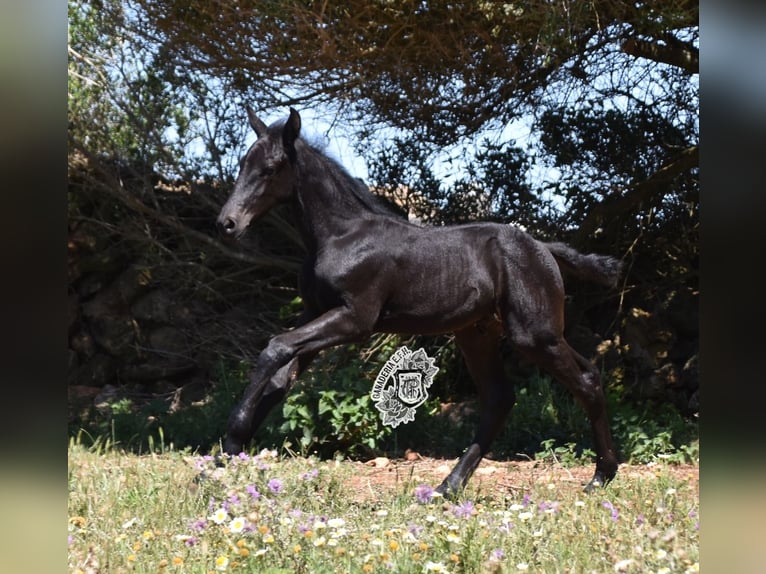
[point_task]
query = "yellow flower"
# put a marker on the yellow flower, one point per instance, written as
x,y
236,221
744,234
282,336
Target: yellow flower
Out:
x,y
263,529
296,549
268,539
148,535
393,545
423,546
308,534
131,557
78,521
241,543
244,552
454,558
177,561
367,568
137,545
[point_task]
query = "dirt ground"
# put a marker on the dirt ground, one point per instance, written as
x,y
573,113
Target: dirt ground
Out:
x,y
370,479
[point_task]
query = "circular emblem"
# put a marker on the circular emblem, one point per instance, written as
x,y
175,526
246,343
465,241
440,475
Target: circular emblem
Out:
x,y
402,385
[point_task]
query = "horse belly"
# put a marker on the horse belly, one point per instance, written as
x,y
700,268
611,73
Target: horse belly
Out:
x,y
434,303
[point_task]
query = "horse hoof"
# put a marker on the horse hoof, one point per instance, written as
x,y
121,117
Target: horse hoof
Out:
x,y
598,481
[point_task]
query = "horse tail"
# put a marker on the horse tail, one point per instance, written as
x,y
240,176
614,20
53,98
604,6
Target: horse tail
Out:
x,y
602,269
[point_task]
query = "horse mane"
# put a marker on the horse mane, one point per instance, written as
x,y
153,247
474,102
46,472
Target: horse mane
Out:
x,y
351,187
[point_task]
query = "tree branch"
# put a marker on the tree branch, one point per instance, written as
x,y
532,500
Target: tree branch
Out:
x,y
673,52
613,207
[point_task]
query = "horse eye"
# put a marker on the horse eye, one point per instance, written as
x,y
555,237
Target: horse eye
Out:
x,y
267,171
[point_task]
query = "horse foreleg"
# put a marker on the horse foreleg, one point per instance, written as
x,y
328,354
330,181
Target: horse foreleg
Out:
x,y
481,350
279,364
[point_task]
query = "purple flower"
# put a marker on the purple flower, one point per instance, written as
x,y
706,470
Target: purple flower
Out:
x,y
526,500
191,541
424,493
234,499
199,525
496,555
69,540
275,485
313,473
414,529
506,527
464,510
243,456
253,492
610,506
639,520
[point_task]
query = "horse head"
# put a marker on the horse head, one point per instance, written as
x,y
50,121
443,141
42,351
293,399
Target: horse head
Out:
x,y
265,174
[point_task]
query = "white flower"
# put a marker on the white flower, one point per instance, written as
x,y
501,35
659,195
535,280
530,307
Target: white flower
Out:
x,y
515,507
336,522
219,516
622,565
522,566
436,567
237,525
524,516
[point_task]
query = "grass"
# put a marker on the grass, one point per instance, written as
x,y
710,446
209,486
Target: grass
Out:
x,y
277,514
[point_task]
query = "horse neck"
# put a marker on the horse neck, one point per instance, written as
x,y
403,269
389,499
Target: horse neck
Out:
x,y
324,207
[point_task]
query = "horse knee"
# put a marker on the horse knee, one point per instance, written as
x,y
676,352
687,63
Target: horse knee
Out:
x,y
276,352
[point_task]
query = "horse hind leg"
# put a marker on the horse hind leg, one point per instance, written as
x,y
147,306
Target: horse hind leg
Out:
x,y
480,346
581,378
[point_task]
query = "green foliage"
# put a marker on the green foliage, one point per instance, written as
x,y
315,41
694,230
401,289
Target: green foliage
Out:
x,y
330,409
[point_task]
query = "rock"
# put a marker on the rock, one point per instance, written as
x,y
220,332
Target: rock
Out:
x,y
114,333
153,307
83,343
97,372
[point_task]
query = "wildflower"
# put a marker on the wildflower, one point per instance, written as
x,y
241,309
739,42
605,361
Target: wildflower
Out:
x,y
435,567
221,563
622,565
321,541
381,513
131,558
496,555
178,561
148,535
452,537
522,566
260,552
610,506
639,520
313,473
243,456
393,545
579,503
526,500
275,485
336,522
524,516
200,524
367,568
296,549
464,510
219,516
454,558
253,492
237,525
670,492
424,493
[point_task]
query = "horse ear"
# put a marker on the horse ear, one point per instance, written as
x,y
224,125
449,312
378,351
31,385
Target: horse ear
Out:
x,y
291,130
259,127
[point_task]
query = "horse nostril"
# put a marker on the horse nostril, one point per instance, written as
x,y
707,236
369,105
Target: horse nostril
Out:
x,y
227,226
